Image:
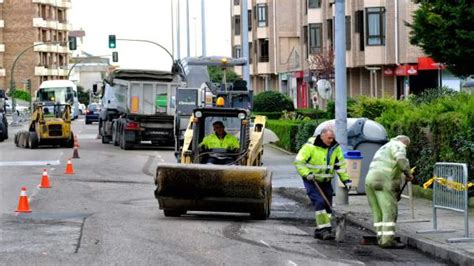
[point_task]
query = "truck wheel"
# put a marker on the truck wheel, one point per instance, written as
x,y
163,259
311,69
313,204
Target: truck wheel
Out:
x,y
114,138
33,140
105,140
174,213
124,144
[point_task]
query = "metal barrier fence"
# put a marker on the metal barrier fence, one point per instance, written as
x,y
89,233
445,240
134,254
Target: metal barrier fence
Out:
x,y
450,192
407,193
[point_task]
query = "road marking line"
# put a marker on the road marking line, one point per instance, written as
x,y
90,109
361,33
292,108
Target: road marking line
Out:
x,y
265,243
292,263
28,163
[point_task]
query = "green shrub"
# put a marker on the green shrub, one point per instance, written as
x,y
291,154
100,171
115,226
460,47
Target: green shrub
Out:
x,y
21,94
429,95
272,101
286,130
305,131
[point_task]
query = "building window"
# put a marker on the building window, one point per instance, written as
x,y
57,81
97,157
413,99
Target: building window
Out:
x,y
375,25
237,25
250,19
315,38
314,3
264,53
262,15
236,2
250,53
305,41
330,27
348,33
237,51
359,28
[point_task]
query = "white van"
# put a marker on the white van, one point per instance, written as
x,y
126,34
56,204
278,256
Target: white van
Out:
x,y
59,91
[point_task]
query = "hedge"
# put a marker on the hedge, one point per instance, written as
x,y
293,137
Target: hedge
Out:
x,y
286,131
272,101
21,94
293,134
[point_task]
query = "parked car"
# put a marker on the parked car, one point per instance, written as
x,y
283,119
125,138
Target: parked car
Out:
x,y
82,109
92,113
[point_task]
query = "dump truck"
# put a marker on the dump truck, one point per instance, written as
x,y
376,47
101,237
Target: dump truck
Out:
x,y
240,185
139,106
50,125
3,117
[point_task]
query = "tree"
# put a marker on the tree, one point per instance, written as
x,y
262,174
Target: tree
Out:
x,y
272,101
445,31
216,73
82,95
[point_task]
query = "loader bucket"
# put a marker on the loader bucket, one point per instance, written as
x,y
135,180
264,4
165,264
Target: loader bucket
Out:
x,y
221,188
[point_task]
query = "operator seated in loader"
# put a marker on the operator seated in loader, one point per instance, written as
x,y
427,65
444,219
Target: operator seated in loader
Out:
x,y
219,142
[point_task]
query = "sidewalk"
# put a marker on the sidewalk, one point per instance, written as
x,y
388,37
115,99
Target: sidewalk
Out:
x,y
435,244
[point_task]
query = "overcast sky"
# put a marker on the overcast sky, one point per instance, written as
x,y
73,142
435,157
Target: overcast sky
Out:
x,y
150,20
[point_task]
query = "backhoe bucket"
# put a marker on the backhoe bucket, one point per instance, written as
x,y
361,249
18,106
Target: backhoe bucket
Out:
x,y
220,188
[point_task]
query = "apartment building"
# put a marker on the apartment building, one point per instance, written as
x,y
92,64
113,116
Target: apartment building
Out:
x,y
379,58
29,23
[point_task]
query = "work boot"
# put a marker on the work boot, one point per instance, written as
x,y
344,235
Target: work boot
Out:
x,y
326,234
317,234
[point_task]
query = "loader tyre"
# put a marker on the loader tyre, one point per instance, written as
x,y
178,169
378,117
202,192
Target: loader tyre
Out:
x,y
33,140
174,213
69,143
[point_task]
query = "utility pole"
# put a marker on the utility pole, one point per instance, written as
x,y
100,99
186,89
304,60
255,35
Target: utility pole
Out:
x,y
342,196
178,34
187,28
203,27
172,27
245,43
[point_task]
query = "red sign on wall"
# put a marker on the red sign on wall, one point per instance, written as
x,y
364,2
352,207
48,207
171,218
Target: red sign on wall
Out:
x,y
406,70
388,72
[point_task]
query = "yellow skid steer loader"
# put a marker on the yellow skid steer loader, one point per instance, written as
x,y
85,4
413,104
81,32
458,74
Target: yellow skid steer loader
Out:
x,y
50,125
237,184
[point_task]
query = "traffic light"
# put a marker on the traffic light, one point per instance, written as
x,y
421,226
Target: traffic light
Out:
x,y
112,43
72,43
114,57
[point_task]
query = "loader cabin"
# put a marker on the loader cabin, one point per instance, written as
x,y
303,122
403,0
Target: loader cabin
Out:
x,y
236,123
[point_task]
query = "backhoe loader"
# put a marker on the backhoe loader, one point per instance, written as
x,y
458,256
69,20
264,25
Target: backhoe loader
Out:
x,y
240,185
50,125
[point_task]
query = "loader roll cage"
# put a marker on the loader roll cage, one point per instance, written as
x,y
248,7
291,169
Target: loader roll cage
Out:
x,y
236,122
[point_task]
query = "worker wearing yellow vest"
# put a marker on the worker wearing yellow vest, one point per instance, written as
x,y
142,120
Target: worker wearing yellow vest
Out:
x,y
382,186
317,162
219,140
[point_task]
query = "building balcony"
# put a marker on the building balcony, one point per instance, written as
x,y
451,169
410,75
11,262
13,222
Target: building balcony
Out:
x,y
54,24
2,48
315,15
263,32
2,71
263,68
57,3
51,48
43,71
2,23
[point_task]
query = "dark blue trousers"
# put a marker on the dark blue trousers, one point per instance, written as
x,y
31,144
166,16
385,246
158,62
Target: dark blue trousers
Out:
x,y
315,196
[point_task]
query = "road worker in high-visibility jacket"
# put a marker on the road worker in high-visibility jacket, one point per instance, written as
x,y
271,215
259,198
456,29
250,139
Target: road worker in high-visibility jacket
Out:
x,y
382,186
317,162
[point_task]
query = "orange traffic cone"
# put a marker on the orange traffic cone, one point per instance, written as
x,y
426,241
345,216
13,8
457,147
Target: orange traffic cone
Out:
x,y
69,169
75,154
45,180
23,204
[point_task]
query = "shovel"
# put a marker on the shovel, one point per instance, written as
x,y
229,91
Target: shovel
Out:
x,y
340,221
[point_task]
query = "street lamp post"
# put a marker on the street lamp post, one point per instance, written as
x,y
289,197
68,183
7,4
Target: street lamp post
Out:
x,y
12,80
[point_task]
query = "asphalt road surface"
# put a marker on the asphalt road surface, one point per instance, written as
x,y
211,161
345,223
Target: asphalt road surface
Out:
x,y
106,213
